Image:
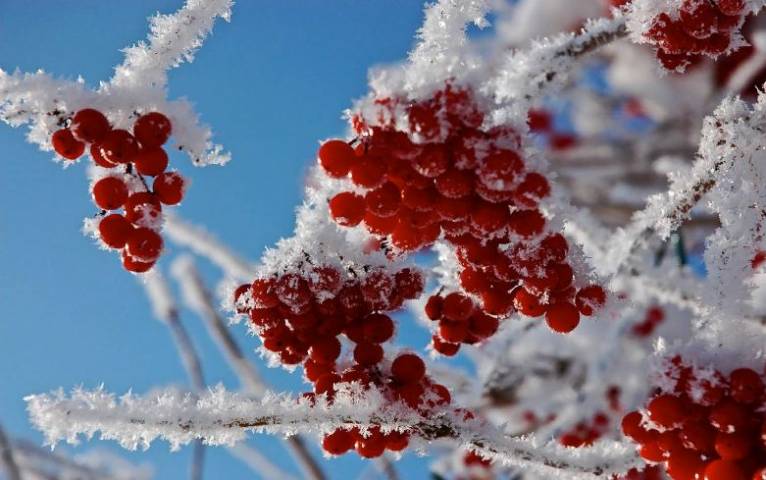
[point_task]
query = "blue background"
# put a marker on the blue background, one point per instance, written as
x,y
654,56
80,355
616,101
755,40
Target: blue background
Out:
x,y
271,83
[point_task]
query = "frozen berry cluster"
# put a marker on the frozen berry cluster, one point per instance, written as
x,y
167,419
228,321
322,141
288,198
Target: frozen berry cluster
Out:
x,y
710,426
126,156
424,170
699,27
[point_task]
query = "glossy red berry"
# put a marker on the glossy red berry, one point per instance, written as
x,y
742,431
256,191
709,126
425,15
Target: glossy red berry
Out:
x,y
144,245
152,129
724,470
89,125
114,230
169,187
95,154
132,265
527,304
408,368
371,446
66,145
378,328
383,201
733,446
151,161
325,350
347,209
118,146
368,354
457,307
445,348
110,193
666,410
339,442
336,157
562,317
143,209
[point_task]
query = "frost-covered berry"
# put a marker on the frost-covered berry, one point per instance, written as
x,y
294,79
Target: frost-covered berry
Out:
x,y
169,187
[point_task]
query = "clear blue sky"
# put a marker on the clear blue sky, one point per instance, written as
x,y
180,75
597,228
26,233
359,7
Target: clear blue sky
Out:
x,y
272,83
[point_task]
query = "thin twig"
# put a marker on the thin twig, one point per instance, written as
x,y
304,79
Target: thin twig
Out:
x,y
7,458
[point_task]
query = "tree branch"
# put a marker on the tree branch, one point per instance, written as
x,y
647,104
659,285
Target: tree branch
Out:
x,y
6,456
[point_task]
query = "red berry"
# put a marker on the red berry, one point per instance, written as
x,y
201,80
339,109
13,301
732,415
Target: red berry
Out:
x,y
562,317
336,157
95,154
532,189
380,225
589,299
432,162
651,452
118,146
313,370
409,283
454,183
110,193
397,441
724,470
89,125
698,436
169,187
371,446
325,350
143,209
729,416
293,290
733,446
347,209
152,129
368,354
482,325
527,304
369,172
133,265
383,201
490,218
746,385
699,18
324,280
114,230
445,348
457,307
731,7
144,245
151,161
434,307
527,222
539,120
66,145
262,291
378,328
408,368
685,465
500,169
666,410
339,442
454,332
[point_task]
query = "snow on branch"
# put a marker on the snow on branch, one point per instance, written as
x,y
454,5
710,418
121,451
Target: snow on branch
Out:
x,y
528,75
47,104
223,418
173,39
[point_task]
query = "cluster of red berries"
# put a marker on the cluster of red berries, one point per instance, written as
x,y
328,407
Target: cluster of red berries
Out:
x,y
300,317
585,433
134,232
443,175
654,316
405,382
710,427
478,467
701,27
460,321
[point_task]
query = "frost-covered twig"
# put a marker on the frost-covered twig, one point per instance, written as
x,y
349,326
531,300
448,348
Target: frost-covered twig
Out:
x,y
173,40
203,243
198,298
6,456
223,418
528,75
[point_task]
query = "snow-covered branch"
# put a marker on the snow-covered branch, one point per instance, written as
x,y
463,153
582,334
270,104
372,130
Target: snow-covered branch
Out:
x,y
173,39
222,418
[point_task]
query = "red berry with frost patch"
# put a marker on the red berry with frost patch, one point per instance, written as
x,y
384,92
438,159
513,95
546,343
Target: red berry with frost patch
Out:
x,y
133,265
143,209
383,201
590,299
144,245
169,187
152,129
